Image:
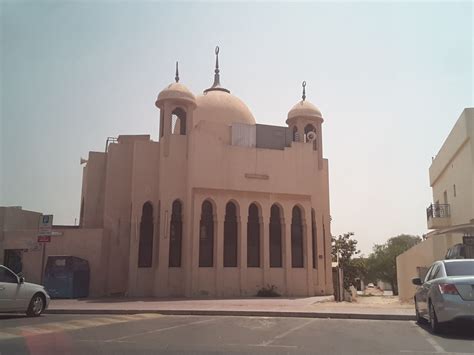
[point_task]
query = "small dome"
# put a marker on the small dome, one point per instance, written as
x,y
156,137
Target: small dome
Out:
x,y
176,91
304,109
223,107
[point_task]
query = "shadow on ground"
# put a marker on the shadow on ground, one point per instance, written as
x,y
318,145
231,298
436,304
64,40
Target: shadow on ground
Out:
x,y
131,299
12,316
463,330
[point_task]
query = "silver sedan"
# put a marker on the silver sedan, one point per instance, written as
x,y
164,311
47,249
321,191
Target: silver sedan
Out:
x,y
446,294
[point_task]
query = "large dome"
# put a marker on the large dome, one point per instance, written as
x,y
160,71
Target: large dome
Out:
x,y
223,107
176,91
304,109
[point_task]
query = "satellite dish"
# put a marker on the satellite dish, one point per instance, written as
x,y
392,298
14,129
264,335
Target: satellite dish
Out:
x,y
83,161
311,136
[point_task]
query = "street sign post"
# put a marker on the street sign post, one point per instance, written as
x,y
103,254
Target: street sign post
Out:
x,y
45,225
45,230
44,239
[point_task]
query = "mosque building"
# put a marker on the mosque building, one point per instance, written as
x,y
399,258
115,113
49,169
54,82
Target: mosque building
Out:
x,y
220,206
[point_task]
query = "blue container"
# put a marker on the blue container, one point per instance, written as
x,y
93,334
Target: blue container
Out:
x,y
67,277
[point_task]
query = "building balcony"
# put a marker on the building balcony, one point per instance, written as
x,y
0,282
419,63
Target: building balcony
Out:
x,y
438,216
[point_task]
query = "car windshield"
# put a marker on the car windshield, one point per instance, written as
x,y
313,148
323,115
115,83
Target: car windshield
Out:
x,y
461,268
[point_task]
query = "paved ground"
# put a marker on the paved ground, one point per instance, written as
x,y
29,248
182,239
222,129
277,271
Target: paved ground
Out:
x,y
158,334
364,305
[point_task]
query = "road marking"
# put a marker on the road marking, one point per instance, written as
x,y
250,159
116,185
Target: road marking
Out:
x,y
7,336
282,335
432,352
433,343
55,327
158,330
260,345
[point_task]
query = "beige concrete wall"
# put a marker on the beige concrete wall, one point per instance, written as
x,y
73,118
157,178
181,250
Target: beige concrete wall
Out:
x,y
117,213
84,243
454,166
203,164
421,255
242,281
144,188
93,183
16,219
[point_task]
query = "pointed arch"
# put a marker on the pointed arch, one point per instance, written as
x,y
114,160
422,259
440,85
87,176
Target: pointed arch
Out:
x,y
296,238
178,121
275,237
230,235
176,234
206,235
145,244
253,236
310,128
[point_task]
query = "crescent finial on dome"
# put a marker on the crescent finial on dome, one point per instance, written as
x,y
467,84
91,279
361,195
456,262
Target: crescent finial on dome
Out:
x,y
176,78
217,83
304,90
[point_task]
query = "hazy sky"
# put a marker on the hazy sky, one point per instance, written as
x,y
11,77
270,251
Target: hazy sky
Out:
x,y
391,79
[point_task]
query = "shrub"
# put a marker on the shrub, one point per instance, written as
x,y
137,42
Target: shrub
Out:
x,y
268,291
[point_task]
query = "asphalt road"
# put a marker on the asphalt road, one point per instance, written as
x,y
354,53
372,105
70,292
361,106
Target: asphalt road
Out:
x,y
157,334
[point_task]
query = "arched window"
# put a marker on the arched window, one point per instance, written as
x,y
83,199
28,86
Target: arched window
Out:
x,y
206,236
253,237
314,239
178,121
310,128
275,237
230,235
176,235
295,134
145,245
296,238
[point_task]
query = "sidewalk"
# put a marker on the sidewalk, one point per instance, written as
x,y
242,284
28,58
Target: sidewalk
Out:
x,y
386,308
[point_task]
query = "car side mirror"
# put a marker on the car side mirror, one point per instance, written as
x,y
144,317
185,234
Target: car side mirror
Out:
x,y
21,279
416,281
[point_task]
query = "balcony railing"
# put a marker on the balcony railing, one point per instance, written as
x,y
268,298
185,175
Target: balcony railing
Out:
x,y
438,215
436,210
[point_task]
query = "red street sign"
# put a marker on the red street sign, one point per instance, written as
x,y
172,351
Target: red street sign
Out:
x,y
44,238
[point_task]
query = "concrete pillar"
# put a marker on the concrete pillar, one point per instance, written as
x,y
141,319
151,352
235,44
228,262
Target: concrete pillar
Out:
x,y
188,243
164,247
242,244
265,242
286,231
194,267
321,285
320,145
219,245
307,249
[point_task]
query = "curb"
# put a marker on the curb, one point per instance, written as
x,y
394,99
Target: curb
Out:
x,y
331,315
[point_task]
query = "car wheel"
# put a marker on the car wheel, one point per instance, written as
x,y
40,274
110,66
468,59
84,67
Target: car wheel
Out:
x,y
419,318
434,324
36,306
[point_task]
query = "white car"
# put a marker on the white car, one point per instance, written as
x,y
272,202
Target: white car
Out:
x,y
16,295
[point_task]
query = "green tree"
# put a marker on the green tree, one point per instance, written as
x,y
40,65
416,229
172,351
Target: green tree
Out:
x,y
344,248
382,264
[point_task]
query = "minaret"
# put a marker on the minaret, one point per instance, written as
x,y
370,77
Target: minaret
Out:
x,y
305,121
